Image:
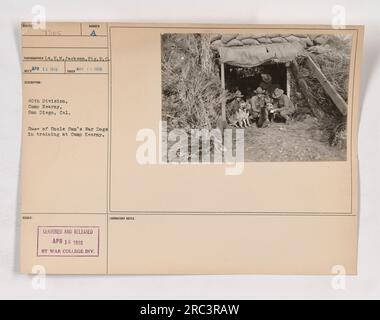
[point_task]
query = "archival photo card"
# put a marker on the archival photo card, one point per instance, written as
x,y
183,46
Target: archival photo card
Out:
x,y
189,149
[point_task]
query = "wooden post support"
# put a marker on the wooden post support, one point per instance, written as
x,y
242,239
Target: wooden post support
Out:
x,y
224,91
288,80
313,104
327,86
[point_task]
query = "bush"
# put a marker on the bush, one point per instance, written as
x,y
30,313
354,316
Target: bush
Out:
x,y
191,89
334,61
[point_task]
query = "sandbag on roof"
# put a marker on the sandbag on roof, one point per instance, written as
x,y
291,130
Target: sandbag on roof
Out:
x,y
252,56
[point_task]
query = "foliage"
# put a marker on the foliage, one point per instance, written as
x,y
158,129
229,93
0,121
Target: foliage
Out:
x,y
334,61
333,58
191,87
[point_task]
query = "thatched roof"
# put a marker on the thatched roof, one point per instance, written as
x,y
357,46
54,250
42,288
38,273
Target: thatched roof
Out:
x,y
250,50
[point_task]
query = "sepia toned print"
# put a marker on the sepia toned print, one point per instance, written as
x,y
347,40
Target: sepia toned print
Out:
x,y
288,92
189,149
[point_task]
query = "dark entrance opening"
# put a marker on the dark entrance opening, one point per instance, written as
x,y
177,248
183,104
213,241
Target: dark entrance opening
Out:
x,y
248,79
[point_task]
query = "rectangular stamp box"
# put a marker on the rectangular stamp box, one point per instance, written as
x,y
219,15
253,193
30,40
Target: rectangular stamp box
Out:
x,y
68,241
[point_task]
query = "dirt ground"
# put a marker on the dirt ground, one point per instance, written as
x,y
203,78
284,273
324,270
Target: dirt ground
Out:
x,y
297,141
300,140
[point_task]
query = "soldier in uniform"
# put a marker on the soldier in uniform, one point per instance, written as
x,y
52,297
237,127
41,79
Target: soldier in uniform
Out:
x,y
283,106
267,84
257,102
235,104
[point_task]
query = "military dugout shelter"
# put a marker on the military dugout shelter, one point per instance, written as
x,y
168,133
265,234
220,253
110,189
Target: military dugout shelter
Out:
x,y
252,50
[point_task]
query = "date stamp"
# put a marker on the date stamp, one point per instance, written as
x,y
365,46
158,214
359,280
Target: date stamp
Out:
x,y
68,241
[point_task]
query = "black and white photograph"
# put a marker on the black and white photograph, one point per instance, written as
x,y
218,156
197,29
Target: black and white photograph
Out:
x,y
190,158
288,92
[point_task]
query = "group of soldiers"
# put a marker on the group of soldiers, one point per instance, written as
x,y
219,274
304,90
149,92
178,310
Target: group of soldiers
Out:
x,y
268,103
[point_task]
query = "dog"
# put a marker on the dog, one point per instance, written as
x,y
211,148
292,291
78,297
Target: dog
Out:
x,y
271,112
241,117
